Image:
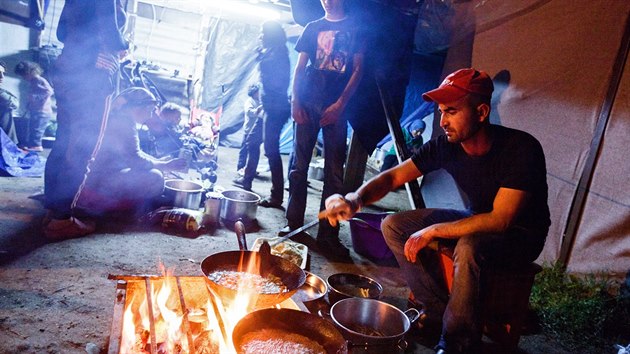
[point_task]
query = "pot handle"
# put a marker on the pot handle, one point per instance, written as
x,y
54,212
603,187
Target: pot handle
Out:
x,y
413,314
239,229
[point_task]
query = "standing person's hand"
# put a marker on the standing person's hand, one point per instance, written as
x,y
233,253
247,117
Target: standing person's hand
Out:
x,y
297,112
331,114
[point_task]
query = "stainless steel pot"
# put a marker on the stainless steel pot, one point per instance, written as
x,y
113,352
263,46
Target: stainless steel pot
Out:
x,y
369,322
237,204
345,285
183,194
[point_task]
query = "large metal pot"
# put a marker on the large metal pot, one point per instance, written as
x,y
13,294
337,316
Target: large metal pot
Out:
x,y
183,194
345,285
237,204
369,322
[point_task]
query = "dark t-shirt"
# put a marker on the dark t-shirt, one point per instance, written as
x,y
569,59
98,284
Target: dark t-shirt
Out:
x,y
331,47
515,160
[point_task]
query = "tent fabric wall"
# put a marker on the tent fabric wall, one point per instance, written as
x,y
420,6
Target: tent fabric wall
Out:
x,y
558,56
602,240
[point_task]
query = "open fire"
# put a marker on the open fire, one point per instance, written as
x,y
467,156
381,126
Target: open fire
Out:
x,y
176,314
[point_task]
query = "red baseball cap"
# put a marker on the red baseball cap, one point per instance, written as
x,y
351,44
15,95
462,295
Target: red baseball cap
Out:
x,y
459,84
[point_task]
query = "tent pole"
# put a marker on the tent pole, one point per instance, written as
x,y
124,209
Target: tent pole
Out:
x,y
584,183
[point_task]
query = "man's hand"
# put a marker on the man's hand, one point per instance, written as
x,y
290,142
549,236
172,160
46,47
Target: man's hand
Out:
x,y
340,208
331,114
298,114
418,241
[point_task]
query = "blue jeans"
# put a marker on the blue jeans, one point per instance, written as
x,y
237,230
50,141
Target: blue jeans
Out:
x,y
304,139
37,124
252,145
459,313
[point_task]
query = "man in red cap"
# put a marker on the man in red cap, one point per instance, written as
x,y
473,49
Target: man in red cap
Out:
x,y
503,175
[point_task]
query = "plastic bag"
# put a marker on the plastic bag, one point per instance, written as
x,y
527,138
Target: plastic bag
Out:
x,y
177,218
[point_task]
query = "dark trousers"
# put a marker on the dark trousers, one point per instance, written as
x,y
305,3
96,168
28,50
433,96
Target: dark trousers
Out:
x,y
274,122
81,106
304,139
459,311
37,123
253,140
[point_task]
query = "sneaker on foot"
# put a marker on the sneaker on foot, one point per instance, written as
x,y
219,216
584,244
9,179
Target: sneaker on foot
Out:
x,y
241,172
63,229
240,181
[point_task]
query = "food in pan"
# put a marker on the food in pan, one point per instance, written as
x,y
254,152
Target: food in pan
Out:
x,y
277,341
243,280
292,251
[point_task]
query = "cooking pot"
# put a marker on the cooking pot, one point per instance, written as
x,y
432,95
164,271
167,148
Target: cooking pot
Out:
x,y
345,285
369,322
291,321
237,204
183,194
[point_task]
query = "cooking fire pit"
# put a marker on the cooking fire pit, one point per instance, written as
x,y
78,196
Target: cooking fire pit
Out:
x,y
180,320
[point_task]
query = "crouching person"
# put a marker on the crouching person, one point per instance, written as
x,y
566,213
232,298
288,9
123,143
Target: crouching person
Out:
x,y
503,173
123,178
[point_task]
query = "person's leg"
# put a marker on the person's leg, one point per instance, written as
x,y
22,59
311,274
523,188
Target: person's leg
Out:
x,y
254,139
335,137
424,277
274,122
304,138
37,126
242,154
473,254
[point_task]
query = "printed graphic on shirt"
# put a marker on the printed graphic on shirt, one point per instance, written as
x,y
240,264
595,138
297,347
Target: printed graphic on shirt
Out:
x,y
333,51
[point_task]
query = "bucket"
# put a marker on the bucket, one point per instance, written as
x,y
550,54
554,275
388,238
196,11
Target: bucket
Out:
x,y
367,238
212,208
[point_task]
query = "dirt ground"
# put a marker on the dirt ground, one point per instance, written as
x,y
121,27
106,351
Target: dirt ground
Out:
x,y
56,296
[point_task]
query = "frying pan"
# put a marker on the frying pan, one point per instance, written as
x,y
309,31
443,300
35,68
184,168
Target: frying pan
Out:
x,y
291,321
267,265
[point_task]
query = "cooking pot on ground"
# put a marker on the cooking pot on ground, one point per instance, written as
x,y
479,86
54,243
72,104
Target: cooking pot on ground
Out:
x,y
369,322
345,285
237,204
183,194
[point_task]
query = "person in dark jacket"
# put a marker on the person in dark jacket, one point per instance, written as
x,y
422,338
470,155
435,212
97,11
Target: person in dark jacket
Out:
x,y
8,102
84,81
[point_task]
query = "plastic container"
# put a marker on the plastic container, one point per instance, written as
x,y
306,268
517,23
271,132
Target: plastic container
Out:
x,y
367,238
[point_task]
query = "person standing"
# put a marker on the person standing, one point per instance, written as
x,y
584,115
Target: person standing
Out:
x,y
84,80
39,103
503,173
8,102
321,92
275,72
249,155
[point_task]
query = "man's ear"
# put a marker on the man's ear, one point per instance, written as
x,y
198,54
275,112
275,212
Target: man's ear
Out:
x,y
483,111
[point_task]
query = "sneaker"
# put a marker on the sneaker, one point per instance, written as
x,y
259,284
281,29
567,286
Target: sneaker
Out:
x,y
270,203
63,229
241,172
331,246
240,181
287,229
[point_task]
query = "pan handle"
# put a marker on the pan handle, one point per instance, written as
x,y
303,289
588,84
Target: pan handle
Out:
x,y
239,229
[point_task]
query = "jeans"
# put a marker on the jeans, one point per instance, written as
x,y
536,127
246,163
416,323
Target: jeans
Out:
x,y
252,143
274,121
459,313
37,124
304,139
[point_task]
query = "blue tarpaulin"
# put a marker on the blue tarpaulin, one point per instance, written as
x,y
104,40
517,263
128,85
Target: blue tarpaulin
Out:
x,y
14,162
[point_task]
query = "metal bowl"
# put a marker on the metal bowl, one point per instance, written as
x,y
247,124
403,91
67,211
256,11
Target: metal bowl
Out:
x,y
314,288
347,285
183,194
